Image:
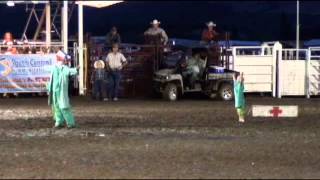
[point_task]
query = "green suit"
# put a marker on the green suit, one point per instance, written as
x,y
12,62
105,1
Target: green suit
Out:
x,y
58,95
239,94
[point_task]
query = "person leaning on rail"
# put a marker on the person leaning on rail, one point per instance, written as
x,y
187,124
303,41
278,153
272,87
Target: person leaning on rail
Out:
x,y
155,30
9,42
113,37
209,35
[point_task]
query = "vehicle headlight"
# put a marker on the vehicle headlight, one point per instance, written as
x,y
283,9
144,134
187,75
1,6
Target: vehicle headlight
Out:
x,y
162,77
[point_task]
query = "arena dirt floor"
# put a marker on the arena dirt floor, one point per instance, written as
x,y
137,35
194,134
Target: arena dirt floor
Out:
x,y
151,138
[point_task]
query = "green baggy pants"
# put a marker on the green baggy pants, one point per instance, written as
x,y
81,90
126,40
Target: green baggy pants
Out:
x,y
62,114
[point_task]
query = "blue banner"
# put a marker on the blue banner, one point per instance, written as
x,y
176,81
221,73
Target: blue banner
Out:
x,y
25,72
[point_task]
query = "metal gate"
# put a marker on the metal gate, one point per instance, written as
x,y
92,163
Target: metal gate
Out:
x,y
292,72
258,63
313,71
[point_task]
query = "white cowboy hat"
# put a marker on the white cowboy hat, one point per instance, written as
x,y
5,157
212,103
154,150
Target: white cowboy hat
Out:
x,y
211,24
98,62
155,22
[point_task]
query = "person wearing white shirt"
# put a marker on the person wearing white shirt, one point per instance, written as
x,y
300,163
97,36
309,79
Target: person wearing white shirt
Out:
x,y
115,62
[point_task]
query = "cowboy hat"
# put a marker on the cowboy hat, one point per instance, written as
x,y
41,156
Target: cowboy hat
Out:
x,y
155,22
96,64
211,24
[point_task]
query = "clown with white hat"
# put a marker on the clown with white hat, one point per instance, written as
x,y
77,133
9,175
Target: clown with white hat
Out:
x,y
62,56
58,91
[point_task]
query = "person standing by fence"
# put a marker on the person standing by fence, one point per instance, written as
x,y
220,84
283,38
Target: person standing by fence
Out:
x,y
155,30
209,35
113,37
115,62
98,79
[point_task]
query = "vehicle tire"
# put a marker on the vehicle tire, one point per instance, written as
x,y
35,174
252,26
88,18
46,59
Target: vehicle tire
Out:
x,y
171,92
226,92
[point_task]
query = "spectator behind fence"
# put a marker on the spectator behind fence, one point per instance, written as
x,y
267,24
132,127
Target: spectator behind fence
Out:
x,y
209,34
155,30
98,79
113,37
9,42
115,62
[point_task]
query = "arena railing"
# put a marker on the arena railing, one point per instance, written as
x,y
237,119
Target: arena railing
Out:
x,y
251,51
33,48
294,54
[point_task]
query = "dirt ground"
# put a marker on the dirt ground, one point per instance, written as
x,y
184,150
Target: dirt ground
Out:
x,y
151,138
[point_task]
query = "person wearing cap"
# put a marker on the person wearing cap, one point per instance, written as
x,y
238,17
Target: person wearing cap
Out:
x,y
58,91
155,30
98,79
209,34
115,62
113,37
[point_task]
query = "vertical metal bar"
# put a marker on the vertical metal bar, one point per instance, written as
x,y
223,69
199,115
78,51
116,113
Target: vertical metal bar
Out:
x,y
65,26
36,15
40,25
298,31
308,73
48,25
27,25
80,49
85,76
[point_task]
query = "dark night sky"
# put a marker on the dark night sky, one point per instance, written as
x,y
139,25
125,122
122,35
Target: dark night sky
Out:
x,y
246,20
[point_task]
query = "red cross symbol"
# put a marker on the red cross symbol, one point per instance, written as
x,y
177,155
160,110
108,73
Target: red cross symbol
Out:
x,y
276,111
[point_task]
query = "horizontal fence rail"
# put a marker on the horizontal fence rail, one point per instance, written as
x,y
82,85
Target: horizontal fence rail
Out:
x,y
294,54
251,50
30,48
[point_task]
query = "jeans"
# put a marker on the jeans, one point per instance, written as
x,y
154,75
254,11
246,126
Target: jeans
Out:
x,y
114,83
98,89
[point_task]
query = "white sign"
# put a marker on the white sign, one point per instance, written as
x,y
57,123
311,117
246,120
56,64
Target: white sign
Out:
x,y
274,111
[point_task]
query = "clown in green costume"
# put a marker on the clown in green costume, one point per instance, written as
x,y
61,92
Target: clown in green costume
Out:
x,y
58,91
239,96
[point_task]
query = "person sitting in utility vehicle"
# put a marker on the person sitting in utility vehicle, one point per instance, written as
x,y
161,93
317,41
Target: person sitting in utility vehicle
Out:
x,y
194,68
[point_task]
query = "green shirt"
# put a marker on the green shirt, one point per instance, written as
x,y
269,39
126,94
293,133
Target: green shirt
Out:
x,y
239,94
58,85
